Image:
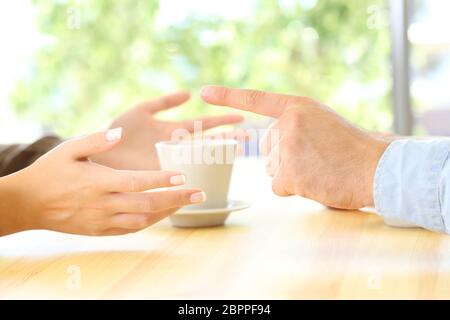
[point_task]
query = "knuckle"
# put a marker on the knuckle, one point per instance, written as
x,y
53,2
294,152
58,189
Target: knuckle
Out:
x,y
286,145
277,187
87,186
269,168
95,230
264,148
275,154
272,166
178,199
92,183
274,133
182,198
141,223
165,102
307,103
132,184
295,118
95,185
163,178
149,204
222,93
252,97
299,191
281,182
288,102
100,206
147,221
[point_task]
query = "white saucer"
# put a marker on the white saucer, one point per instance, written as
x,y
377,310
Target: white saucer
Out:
x,y
200,218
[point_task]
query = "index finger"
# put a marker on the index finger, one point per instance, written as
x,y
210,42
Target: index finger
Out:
x,y
137,181
264,103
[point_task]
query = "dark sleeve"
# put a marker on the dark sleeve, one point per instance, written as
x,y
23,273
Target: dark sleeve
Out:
x,y
18,156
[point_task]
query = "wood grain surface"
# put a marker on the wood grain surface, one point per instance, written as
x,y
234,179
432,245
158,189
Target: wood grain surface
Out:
x,y
279,248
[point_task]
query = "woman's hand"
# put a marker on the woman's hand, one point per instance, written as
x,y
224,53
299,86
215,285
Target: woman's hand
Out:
x,y
64,191
143,130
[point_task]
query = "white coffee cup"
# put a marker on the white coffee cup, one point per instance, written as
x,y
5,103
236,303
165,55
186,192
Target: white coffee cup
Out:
x,y
207,165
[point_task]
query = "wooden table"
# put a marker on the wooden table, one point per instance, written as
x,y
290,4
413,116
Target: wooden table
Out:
x,y
278,249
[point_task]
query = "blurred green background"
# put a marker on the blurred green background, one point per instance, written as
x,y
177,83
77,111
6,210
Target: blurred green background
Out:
x,y
102,56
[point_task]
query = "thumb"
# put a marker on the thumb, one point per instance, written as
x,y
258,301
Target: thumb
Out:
x,y
89,145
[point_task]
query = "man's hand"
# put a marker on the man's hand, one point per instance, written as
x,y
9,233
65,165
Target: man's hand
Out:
x,y
142,131
312,151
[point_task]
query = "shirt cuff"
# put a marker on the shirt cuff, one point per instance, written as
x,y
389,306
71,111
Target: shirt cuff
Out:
x,y
407,182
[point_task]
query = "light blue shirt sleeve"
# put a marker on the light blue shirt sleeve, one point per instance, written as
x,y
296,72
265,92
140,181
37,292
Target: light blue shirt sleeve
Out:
x,y
412,183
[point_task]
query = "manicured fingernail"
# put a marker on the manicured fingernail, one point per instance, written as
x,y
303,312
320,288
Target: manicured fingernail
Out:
x,y
198,197
207,92
114,134
178,180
